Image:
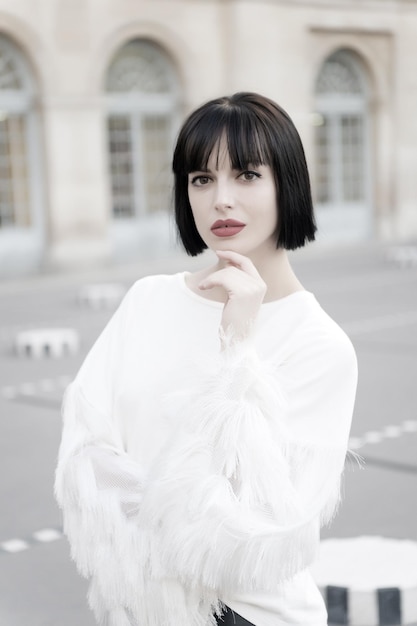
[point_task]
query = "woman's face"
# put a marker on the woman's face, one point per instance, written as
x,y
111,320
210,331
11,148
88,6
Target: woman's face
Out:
x,y
234,209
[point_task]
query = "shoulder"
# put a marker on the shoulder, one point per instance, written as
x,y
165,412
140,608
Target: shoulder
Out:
x,y
320,334
324,363
155,282
151,288
314,340
320,374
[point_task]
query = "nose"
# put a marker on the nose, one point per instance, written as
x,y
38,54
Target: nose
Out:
x,y
224,196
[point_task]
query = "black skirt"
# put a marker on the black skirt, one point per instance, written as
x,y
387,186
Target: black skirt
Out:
x,y
230,618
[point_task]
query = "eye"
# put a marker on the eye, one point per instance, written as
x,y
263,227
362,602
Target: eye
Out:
x,y
200,181
249,175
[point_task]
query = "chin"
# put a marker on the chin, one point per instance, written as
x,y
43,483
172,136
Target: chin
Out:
x,y
233,246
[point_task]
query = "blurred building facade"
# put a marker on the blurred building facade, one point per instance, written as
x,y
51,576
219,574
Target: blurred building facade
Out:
x,y
92,93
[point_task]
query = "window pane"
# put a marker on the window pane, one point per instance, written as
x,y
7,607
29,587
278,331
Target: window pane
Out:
x,y
341,152
352,157
10,77
14,193
121,165
140,66
157,162
338,76
323,161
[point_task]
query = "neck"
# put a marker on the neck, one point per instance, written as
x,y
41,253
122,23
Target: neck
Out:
x,y
276,271
278,275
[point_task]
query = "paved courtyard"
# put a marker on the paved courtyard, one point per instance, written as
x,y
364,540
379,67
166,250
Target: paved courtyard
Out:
x,y
373,298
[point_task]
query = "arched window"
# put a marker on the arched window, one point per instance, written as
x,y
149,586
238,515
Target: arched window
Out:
x,y
141,94
15,112
22,233
341,140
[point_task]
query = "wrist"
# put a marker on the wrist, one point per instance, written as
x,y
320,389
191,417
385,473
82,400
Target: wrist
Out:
x,y
232,337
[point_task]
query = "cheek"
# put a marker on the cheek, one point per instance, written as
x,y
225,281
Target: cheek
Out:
x,y
198,203
190,196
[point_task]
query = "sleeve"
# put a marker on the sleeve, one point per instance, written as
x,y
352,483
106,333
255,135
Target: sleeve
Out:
x,y
240,496
97,485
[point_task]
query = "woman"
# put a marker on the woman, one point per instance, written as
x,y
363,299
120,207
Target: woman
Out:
x,y
206,432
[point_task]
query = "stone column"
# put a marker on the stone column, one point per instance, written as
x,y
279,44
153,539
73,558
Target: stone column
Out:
x,y
78,182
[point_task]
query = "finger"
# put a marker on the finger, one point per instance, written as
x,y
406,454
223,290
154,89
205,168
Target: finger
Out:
x,y
221,278
238,260
231,278
213,280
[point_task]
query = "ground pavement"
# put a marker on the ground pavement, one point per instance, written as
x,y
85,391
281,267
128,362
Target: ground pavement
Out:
x,y
372,298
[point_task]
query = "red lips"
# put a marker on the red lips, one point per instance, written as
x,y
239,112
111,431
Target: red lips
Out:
x,y
227,228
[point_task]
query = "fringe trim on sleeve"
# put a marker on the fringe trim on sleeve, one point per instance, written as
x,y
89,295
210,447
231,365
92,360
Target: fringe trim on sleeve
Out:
x,y
237,505
106,546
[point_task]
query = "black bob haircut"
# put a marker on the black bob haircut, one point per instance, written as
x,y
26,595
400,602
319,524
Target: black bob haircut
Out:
x,y
258,132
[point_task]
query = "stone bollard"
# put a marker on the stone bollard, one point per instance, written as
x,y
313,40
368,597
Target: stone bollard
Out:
x,y
101,296
368,581
47,342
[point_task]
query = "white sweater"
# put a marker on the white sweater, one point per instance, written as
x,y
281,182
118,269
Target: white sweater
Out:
x,y
190,476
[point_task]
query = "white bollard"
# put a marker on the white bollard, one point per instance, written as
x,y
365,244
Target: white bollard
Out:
x,y
368,581
101,296
47,342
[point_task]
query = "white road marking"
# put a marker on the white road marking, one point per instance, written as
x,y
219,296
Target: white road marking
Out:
x,y
388,432
63,381
40,387
392,431
47,534
373,436
9,393
27,389
14,545
410,426
355,443
47,384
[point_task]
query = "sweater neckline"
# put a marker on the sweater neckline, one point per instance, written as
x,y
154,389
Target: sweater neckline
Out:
x,y
181,276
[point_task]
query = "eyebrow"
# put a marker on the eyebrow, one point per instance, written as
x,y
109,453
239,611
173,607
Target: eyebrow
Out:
x,y
206,170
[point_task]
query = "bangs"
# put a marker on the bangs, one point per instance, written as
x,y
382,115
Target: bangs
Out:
x,y
247,140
